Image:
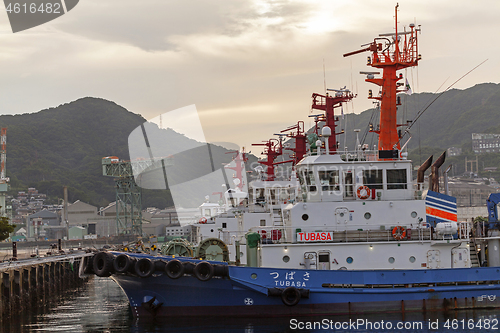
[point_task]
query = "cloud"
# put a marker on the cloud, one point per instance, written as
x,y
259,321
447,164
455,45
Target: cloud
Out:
x,y
242,62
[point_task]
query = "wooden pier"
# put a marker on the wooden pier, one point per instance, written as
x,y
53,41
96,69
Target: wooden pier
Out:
x,y
33,282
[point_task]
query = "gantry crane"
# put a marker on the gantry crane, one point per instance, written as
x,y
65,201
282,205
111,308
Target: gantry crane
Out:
x,y
128,193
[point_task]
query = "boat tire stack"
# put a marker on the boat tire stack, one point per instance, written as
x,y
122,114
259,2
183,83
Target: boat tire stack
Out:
x,y
105,264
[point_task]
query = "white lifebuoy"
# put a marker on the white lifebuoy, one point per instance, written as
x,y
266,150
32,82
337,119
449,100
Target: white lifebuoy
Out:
x,y
363,192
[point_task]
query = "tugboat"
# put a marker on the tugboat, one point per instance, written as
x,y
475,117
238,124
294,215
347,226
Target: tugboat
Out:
x,y
361,236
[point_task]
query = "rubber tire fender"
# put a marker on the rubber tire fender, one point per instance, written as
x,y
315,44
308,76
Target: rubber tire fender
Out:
x,y
221,270
103,264
123,263
144,267
290,296
203,271
160,265
174,269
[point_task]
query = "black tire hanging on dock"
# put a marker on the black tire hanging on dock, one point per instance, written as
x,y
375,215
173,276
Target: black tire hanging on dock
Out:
x,y
103,264
174,269
144,267
123,263
290,296
203,271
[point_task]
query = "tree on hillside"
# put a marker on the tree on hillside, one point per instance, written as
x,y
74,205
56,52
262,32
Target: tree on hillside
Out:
x,y
5,228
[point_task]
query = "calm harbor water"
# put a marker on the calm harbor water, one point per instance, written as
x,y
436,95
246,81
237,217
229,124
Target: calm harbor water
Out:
x,y
101,306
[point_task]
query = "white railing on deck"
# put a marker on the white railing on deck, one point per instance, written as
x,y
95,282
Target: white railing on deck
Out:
x,y
277,235
353,156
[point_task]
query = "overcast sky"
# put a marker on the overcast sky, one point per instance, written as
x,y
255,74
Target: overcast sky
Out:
x,y
249,66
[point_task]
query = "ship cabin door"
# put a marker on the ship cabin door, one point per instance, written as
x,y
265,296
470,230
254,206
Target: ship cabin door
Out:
x,y
324,260
348,184
310,259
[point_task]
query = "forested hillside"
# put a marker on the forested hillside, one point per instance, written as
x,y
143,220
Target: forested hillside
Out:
x,y
449,119
63,146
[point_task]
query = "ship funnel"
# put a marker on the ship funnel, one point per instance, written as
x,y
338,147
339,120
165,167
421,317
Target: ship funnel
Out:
x,y
435,172
421,171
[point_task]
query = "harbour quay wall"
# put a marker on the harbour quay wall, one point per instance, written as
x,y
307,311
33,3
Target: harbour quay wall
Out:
x,y
30,283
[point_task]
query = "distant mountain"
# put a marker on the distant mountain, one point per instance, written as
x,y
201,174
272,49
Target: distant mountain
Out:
x,y
449,121
63,146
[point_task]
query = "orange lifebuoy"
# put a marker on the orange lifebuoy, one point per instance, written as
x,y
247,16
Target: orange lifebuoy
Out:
x,y
366,191
203,220
399,233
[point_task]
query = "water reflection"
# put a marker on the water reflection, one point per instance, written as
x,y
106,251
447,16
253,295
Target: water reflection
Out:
x,y
101,306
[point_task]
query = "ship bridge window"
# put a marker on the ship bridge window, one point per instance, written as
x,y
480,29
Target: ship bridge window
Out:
x,y
373,179
310,181
329,180
396,179
302,180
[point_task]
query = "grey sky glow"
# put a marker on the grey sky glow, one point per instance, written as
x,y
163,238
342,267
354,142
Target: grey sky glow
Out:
x,y
249,66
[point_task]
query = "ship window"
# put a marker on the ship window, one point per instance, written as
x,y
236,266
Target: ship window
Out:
x,y
349,260
391,260
373,179
396,179
324,258
262,223
311,182
301,178
329,180
224,225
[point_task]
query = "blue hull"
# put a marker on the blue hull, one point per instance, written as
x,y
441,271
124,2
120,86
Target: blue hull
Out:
x,y
250,291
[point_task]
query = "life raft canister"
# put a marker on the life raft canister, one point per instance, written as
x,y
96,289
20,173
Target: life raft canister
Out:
x,y
363,192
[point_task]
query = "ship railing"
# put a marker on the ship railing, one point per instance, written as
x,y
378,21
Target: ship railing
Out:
x,y
418,190
338,234
464,230
354,156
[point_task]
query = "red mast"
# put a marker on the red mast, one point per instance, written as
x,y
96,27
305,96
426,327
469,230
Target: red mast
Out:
x,y
273,149
300,137
399,52
240,158
328,104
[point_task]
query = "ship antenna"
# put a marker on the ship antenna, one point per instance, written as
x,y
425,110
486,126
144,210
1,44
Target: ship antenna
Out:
x,y
324,75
